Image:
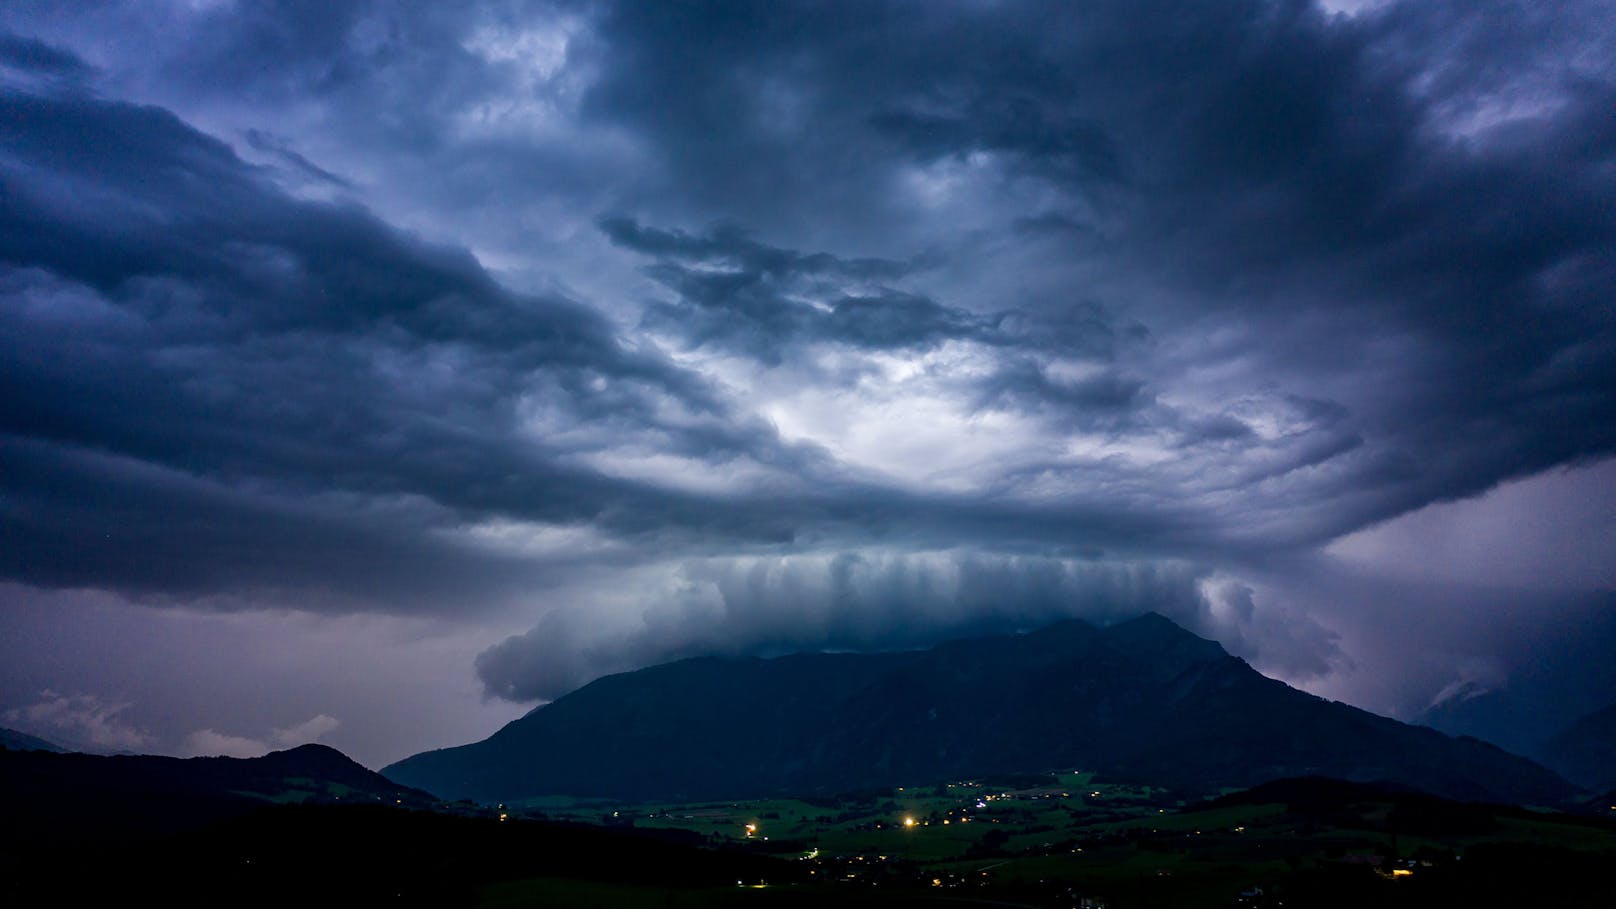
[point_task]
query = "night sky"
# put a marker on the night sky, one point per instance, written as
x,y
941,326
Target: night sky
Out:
x,y
373,373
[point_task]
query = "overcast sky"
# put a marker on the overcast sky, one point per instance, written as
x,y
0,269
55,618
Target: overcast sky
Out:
x,y
372,372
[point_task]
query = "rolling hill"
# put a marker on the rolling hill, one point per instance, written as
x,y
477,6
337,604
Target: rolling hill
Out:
x,y
83,797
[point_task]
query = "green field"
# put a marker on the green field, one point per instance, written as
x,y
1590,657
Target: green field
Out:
x,y
1072,837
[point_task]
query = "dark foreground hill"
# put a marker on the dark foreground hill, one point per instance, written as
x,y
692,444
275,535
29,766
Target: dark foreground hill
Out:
x,y
304,826
77,797
367,855
1144,700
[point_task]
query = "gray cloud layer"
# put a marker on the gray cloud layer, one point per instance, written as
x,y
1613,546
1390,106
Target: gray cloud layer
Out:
x,y
437,310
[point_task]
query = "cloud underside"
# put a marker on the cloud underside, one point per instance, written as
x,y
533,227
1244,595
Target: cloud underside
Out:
x,y
862,325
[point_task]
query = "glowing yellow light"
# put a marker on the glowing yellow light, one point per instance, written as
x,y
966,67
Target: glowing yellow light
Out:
x,y
908,822
937,882
945,820
1402,872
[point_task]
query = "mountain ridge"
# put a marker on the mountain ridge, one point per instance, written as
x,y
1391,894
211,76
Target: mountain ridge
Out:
x,y
1143,700
48,795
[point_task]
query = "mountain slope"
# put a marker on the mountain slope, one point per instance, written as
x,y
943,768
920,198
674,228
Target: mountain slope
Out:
x,y
22,741
1512,721
1585,753
1142,700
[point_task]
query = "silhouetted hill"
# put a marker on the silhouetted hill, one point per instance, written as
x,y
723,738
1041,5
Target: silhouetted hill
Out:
x,y
306,825
79,797
359,855
22,741
1144,700
1585,753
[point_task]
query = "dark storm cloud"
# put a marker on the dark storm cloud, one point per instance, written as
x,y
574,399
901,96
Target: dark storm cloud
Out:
x,y
1072,151
177,329
1401,220
1020,382
289,157
730,246
33,56
760,300
791,298
1206,283
254,392
736,294
1295,175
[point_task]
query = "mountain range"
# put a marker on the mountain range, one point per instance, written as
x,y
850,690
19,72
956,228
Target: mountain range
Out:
x,y
1143,700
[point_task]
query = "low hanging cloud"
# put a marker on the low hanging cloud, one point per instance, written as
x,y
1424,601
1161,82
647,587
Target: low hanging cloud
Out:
x,y
874,601
81,721
209,743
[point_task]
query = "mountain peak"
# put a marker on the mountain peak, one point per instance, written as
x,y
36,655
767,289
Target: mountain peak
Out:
x,y
1154,635
1151,623
312,760
313,751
